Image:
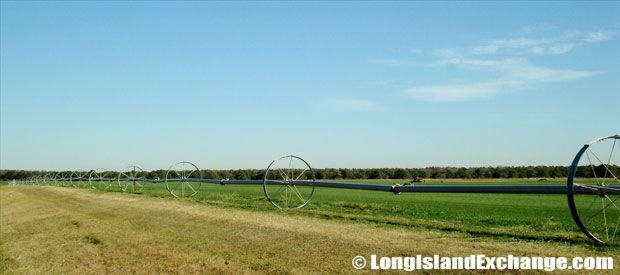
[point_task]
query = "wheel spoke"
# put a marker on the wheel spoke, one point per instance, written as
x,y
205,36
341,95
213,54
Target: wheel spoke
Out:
x,y
589,207
609,160
592,167
591,187
296,192
190,187
286,197
302,173
289,198
290,166
616,229
282,174
604,206
279,190
605,218
612,202
124,180
606,168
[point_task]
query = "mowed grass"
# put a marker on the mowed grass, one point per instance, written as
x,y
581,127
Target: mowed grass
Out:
x,y
535,217
52,230
532,217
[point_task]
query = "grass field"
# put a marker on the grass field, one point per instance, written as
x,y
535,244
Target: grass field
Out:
x,y
109,231
504,216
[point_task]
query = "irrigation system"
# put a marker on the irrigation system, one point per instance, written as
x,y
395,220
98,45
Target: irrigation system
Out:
x,y
290,182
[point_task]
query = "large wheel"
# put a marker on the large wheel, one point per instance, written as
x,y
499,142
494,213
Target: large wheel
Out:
x,y
57,178
127,179
279,182
183,179
62,179
596,167
76,178
97,179
49,178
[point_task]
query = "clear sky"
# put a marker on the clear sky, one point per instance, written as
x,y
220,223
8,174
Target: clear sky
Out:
x,y
346,84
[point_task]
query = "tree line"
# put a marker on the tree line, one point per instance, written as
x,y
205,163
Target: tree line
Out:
x,y
367,173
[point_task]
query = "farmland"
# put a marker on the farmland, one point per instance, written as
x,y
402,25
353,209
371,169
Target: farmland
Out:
x,y
511,216
235,224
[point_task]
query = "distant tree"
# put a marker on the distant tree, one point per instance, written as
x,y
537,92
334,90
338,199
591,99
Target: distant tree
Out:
x,y
346,173
227,174
477,173
583,172
522,172
462,173
210,174
499,172
450,174
559,172
358,174
486,173
530,172
542,172
388,173
336,174
158,174
319,174
422,173
376,174
512,173
601,172
241,175
401,174
10,174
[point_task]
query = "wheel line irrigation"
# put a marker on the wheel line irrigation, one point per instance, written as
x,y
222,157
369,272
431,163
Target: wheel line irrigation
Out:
x,y
290,182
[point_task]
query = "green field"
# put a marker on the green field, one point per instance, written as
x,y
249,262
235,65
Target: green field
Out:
x,y
536,217
493,224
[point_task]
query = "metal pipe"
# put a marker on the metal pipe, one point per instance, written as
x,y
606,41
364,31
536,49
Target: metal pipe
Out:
x,y
506,189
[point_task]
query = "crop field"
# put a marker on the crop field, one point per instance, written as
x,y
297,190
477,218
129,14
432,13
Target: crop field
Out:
x,y
509,216
234,229
520,216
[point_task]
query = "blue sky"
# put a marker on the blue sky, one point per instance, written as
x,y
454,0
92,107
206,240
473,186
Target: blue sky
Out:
x,y
347,84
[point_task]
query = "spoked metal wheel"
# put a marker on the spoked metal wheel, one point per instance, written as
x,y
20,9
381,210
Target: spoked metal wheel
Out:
x,y
49,178
76,178
62,179
97,179
127,179
279,182
57,178
597,168
182,179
